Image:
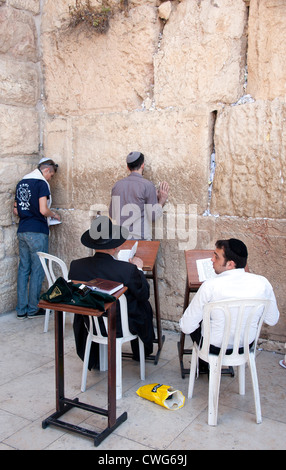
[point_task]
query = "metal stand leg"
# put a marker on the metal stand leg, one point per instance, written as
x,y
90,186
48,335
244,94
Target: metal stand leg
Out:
x,y
182,351
160,338
181,344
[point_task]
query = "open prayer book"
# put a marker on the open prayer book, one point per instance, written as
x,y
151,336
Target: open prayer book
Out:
x,y
205,269
105,286
126,255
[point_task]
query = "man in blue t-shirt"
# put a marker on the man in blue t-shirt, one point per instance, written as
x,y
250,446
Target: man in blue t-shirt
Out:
x,y
32,205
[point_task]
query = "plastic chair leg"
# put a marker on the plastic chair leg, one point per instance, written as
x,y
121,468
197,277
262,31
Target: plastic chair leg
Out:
x,y
47,317
214,386
192,372
255,386
241,379
118,370
142,359
103,357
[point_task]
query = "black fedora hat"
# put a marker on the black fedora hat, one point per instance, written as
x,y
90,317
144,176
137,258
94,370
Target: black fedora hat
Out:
x,y
104,235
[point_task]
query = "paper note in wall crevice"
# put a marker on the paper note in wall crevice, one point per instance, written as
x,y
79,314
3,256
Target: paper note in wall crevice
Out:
x,y
53,221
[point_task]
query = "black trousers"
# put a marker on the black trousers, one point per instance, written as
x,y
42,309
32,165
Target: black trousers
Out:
x,y
197,336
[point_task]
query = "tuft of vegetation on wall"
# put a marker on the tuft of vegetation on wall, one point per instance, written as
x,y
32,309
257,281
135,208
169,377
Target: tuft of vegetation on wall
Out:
x,y
93,17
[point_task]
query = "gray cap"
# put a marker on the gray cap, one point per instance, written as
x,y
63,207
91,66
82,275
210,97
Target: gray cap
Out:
x,y
132,157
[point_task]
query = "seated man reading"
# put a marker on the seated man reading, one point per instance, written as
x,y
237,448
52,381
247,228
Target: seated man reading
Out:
x,y
233,282
106,238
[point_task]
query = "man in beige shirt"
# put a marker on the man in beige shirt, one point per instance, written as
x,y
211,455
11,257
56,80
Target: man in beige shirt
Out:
x,y
135,202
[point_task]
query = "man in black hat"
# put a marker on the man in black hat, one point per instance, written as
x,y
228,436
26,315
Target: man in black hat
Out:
x,y
106,238
135,203
232,282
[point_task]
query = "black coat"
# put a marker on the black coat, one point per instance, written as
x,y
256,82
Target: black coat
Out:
x,y
140,315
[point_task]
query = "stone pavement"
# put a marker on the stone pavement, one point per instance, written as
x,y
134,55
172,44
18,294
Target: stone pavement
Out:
x,y
27,396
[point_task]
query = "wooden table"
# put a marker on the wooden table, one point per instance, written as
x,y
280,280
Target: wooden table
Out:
x,y
64,404
192,285
147,251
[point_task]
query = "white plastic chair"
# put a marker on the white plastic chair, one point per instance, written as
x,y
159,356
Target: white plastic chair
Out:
x,y
103,340
239,316
49,263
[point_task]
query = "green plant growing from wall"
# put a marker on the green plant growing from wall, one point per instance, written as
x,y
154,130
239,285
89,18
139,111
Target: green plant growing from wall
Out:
x,y
93,17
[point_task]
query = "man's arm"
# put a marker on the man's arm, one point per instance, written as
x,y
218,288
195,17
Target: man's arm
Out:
x,y
155,200
137,261
45,211
272,315
137,284
15,208
193,314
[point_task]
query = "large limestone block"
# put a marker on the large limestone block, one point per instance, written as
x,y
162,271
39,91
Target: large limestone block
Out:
x,y
102,72
202,53
65,238
18,35
9,241
12,170
30,5
19,130
176,145
19,83
8,284
267,49
6,204
250,161
58,146
172,280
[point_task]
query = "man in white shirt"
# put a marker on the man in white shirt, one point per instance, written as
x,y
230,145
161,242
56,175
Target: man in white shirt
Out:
x,y
232,282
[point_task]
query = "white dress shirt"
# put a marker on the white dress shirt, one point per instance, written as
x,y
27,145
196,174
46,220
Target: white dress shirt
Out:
x,y
230,284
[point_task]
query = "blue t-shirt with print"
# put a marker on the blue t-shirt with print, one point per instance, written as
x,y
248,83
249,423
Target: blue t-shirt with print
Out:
x,y
28,193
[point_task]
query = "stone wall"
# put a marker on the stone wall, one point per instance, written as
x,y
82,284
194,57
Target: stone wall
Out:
x,y
188,83
20,72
